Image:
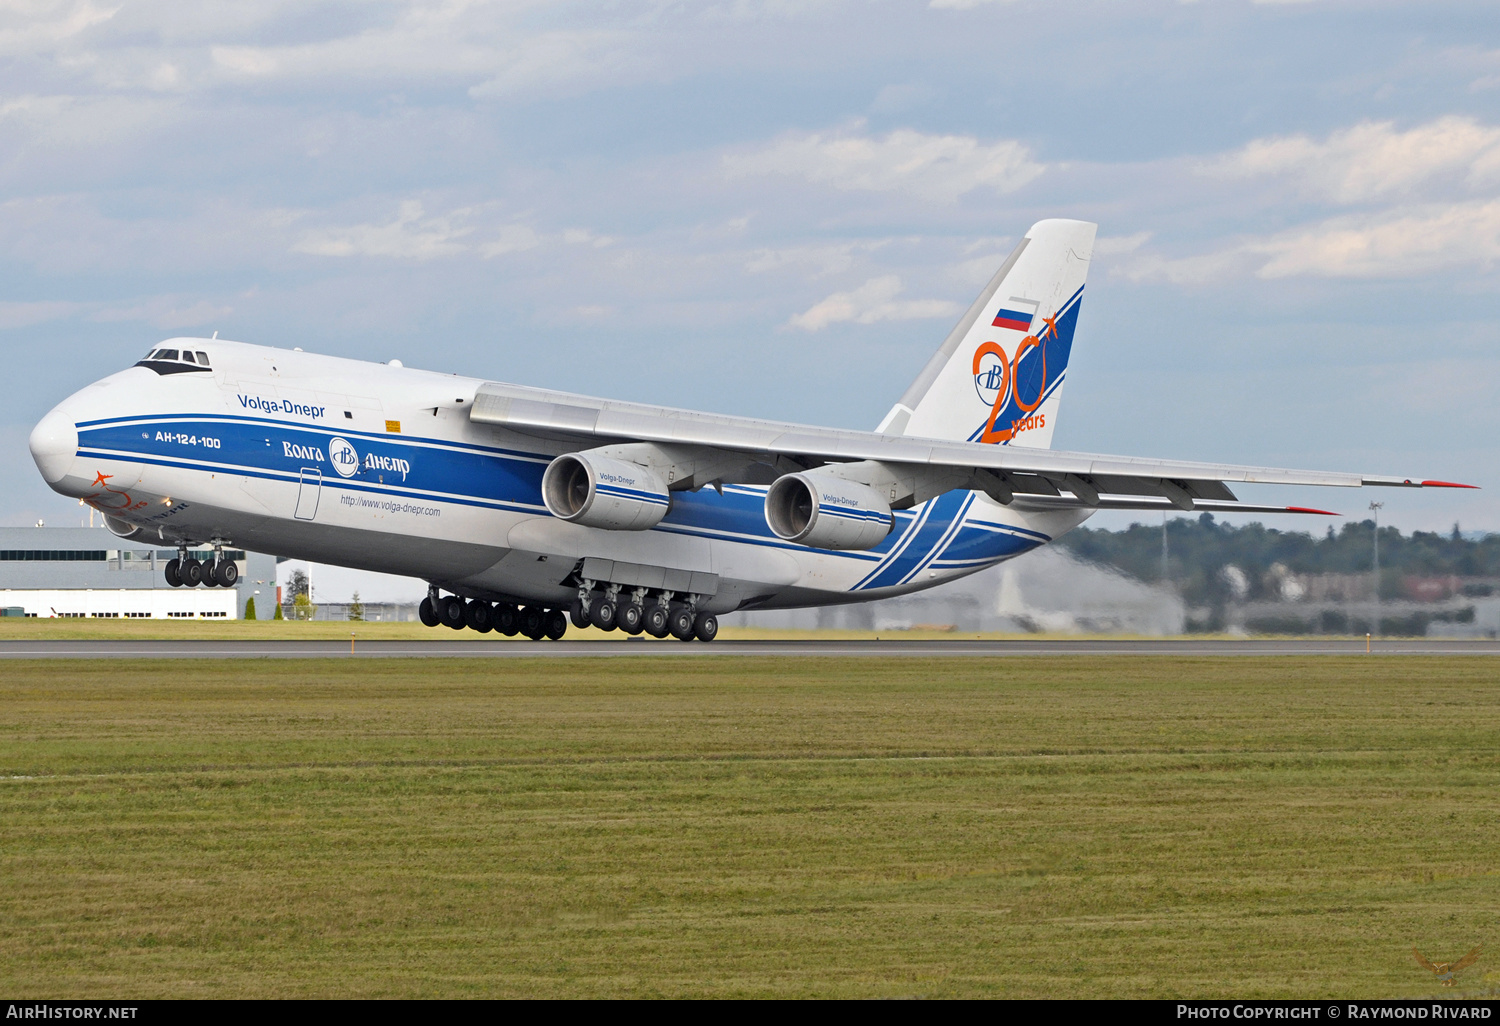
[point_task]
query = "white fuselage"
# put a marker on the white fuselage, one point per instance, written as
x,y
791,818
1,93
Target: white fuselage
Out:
x,y
379,467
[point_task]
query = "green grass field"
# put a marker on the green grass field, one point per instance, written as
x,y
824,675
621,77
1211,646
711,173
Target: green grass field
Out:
x,y
54,629
57,629
824,827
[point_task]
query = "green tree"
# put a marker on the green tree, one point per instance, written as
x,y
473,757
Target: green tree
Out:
x,y
356,608
303,608
250,608
1202,550
278,615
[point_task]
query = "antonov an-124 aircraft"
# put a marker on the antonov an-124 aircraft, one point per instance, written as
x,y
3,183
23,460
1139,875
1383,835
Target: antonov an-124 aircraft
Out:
x,y
524,509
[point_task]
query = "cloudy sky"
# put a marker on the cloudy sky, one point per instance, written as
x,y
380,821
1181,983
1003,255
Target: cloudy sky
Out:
x,y
780,208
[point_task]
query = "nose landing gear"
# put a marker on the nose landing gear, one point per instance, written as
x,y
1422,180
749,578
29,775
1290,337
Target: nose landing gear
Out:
x,y
214,572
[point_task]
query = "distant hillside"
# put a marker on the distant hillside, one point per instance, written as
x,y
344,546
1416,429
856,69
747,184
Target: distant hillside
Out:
x,y
1209,563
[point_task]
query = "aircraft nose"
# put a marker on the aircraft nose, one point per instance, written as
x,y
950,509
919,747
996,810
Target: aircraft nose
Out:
x,y
54,443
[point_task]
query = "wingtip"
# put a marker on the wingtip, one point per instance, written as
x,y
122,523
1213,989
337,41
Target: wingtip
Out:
x,y
1447,484
1309,509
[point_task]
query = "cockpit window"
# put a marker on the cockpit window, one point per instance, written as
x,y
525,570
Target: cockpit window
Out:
x,y
176,361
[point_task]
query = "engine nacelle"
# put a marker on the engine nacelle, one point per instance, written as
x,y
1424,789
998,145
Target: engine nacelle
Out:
x,y
119,528
597,491
825,512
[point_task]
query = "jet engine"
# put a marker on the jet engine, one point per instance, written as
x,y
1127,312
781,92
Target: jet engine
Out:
x,y
826,512
598,491
120,528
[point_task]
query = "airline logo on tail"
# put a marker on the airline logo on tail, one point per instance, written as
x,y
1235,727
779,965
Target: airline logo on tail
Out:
x,y
1012,377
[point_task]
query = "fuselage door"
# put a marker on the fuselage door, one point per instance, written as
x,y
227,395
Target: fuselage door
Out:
x,y
309,489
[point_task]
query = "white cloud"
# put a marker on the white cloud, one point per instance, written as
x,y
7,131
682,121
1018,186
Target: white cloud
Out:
x,y
817,259
246,60
589,313
24,315
513,238
1372,159
413,235
39,26
1192,270
1406,242
897,99
935,167
1114,245
1392,244
563,61
873,301
410,236
490,46
1418,187
165,312
584,237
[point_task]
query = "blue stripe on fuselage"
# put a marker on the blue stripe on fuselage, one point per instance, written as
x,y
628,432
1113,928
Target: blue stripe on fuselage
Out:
x,y
492,477
919,541
973,545
283,449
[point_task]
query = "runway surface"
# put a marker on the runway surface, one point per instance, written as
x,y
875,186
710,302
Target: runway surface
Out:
x,y
506,649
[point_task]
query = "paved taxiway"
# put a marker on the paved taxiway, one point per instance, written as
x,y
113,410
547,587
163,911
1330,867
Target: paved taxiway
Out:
x,y
485,648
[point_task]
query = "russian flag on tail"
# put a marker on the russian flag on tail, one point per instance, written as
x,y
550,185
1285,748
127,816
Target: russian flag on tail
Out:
x,y
1016,314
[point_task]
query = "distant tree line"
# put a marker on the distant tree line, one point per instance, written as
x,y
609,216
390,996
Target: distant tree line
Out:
x,y
1199,551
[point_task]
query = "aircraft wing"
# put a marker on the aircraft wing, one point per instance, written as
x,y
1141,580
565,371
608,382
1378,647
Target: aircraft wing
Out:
x,y
1042,472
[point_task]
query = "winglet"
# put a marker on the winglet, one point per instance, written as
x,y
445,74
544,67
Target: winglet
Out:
x,y
1307,509
1445,484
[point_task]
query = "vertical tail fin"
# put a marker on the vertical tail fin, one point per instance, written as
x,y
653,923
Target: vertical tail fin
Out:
x,y
998,377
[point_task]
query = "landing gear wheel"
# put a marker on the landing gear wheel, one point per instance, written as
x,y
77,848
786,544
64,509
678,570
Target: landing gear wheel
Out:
x,y
602,614
533,622
506,620
655,623
477,616
191,573
706,627
680,623
557,625
579,614
226,573
427,614
206,573
451,609
173,579
630,618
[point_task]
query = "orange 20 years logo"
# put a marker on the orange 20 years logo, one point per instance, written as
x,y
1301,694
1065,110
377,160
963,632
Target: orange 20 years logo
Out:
x,y
111,500
1001,377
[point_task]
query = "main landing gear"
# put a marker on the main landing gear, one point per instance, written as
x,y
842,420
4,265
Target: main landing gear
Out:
x,y
639,611
657,613
215,572
534,622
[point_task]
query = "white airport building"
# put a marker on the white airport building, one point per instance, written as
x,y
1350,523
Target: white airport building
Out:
x,y
89,572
